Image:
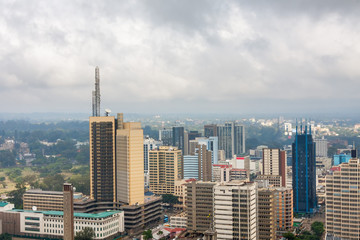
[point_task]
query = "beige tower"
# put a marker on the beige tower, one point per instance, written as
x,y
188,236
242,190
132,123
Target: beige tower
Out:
x,y
102,158
266,214
68,212
129,162
342,201
165,167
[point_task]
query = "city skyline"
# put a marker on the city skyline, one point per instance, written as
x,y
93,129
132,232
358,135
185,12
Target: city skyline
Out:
x,y
203,57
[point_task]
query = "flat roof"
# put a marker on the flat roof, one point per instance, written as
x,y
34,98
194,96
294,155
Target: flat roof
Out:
x,y
76,214
3,204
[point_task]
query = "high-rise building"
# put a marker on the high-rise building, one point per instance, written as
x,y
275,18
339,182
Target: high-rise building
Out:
x,y
165,135
212,144
129,162
149,144
342,201
231,139
191,166
178,138
204,163
274,164
102,159
266,213
283,210
235,210
116,160
210,130
165,167
193,135
321,147
199,206
304,172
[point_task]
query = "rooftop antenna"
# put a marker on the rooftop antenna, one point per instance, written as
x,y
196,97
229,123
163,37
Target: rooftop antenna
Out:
x,y
96,95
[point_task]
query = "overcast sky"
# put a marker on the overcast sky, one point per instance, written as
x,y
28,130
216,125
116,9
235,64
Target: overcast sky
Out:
x,y
180,56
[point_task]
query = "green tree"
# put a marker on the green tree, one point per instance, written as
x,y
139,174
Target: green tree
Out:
x,y
169,198
87,233
7,158
147,234
289,236
53,183
317,228
17,194
5,236
81,183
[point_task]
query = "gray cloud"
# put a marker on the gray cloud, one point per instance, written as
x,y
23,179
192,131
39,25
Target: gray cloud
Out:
x,y
189,56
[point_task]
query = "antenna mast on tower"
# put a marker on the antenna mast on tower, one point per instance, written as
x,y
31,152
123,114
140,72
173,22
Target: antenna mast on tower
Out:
x,y
96,95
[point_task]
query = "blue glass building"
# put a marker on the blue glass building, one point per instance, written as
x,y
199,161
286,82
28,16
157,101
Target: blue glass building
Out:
x,y
341,158
304,172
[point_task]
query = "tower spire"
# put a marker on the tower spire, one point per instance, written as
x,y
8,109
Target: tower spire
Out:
x,y
96,95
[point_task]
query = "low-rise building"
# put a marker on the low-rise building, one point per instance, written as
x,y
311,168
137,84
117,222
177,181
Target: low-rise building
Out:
x,y
50,224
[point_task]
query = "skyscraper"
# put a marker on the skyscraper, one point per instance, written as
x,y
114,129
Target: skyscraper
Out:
x,y
304,172
129,162
68,211
178,138
231,139
102,159
165,135
210,130
321,147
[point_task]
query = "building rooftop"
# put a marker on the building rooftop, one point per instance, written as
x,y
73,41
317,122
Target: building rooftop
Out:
x,y
76,214
3,204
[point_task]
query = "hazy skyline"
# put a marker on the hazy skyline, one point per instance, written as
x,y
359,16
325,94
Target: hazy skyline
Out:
x,y
180,56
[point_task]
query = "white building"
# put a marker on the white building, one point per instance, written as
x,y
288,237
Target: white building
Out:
x,y
235,210
50,223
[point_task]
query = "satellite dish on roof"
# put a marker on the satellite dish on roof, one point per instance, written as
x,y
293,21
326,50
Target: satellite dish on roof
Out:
x,y
107,112
34,208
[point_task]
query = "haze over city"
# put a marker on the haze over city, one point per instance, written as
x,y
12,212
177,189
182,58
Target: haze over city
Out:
x,y
180,56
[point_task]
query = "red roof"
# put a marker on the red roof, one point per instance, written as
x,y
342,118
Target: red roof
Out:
x,y
335,169
190,180
238,169
240,158
171,230
222,165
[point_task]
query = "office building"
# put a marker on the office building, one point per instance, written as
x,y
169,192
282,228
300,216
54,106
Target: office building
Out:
x,y
149,144
274,165
321,147
193,135
342,201
68,212
199,206
165,167
191,166
129,162
102,159
304,172
43,200
178,138
266,214
235,210
231,139
116,160
50,224
210,130
226,173
341,158
212,144
166,136
284,211
204,163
